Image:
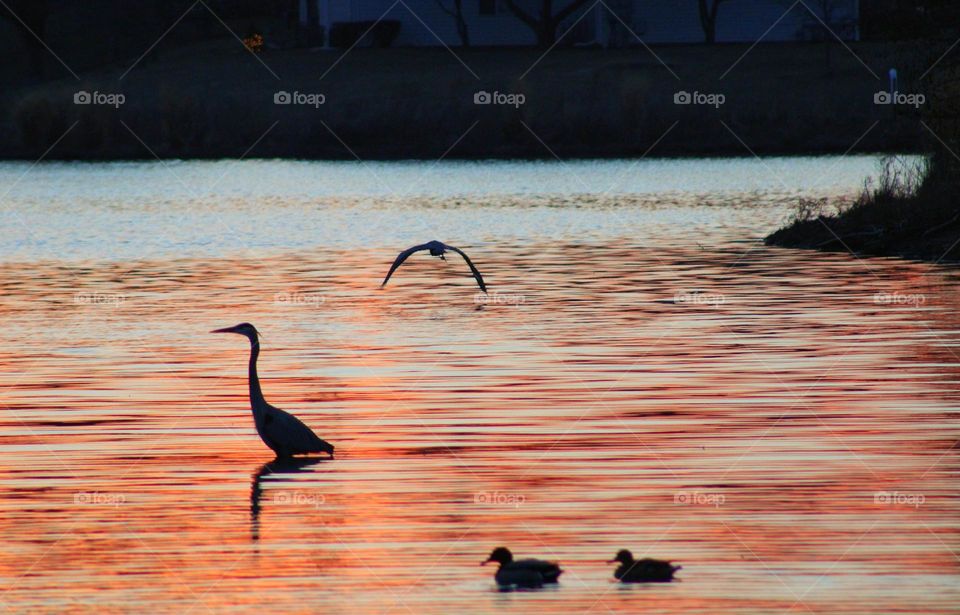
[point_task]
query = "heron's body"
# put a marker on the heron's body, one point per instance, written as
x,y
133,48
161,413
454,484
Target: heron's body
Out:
x,y
284,433
646,570
436,248
527,573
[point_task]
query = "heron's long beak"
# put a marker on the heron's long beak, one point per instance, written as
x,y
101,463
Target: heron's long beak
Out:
x,y
225,330
485,562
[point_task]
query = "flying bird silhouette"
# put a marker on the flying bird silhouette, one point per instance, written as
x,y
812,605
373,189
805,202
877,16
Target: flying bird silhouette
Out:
x,y
436,248
281,431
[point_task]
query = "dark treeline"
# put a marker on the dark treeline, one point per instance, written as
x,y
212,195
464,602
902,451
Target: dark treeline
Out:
x,y
192,90
99,32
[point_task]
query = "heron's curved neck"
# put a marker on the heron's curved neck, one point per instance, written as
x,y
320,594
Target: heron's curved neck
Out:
x,y
256,395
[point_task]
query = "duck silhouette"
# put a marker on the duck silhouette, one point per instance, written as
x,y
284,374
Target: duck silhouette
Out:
x,y
646,570
526,573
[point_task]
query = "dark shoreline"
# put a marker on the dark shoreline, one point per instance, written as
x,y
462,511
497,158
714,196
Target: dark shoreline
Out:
x,y
910,213
940,248
478,158
215,101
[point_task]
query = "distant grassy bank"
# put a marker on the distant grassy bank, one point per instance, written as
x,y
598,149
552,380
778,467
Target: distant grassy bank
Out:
x,y
215,99
913,212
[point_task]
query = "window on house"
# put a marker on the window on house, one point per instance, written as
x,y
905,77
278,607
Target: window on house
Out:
x,y
488,7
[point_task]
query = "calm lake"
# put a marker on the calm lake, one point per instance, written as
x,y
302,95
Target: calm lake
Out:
x,y
644,374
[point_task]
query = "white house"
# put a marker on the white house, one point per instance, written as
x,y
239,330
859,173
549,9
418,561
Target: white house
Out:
x,y
604,22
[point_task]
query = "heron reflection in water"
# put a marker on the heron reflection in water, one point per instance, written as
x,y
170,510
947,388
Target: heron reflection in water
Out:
x,y
278,467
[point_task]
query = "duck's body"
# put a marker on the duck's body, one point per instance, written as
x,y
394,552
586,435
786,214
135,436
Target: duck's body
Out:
x,y
646,570
512,575
285,434
526,573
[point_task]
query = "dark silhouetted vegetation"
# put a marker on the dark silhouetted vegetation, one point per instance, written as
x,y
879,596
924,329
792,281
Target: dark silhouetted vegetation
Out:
x,y
545,22
212,100
911,211
914,209
709,9
456,13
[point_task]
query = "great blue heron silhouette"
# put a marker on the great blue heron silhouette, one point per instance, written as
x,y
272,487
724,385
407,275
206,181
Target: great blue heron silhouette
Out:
x,y
284,433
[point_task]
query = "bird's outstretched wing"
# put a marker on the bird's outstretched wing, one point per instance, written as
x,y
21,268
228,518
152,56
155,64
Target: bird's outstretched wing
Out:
x,y
292,434
402,257
476,272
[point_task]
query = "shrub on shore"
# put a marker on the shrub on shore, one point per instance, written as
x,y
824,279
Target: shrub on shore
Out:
x,y
911,211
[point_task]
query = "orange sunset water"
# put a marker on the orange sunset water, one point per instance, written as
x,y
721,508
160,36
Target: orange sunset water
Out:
x,y
644,374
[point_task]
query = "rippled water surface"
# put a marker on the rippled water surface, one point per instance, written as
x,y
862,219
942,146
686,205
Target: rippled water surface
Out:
x,y
645,374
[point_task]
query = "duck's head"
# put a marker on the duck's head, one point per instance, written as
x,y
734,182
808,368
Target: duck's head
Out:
x,y
623,556
501,555
243,328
